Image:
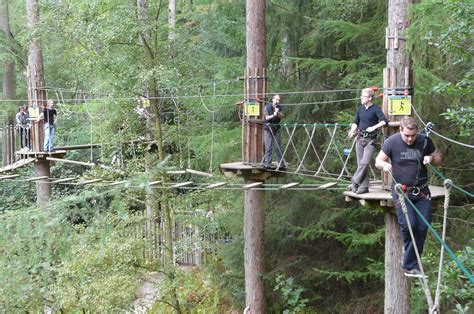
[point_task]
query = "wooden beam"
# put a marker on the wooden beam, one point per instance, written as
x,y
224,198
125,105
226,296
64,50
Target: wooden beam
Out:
x,y
199,173
252,185
118,183
155,183
76,147
180,185
289,185
215,185
18,164
89,164
63,180
11,176
36,178
326,186
176,172
88,181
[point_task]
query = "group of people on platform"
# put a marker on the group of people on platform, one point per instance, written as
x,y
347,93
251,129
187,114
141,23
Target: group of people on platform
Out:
x,y
408,151
23,124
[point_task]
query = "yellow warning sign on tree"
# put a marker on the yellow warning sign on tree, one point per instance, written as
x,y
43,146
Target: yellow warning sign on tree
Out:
x,y
399,105
33,112
252,109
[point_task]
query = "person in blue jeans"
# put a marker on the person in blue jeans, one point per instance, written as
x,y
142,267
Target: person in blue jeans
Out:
x,y
409,153
49,115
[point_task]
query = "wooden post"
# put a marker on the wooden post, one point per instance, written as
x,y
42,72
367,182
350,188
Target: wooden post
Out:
x,y
397,287
43,187
398,80
254,216
37,98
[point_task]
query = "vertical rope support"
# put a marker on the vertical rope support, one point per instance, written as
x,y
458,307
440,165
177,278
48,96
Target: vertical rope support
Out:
x,y
329,146
307,147
448,184
212,140
423,281
344,167
290,141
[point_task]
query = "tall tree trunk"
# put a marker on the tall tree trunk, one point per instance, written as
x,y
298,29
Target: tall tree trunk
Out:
x,y
398,80
287,67
254,214
9,84
152,91
37,97
171,20
152,212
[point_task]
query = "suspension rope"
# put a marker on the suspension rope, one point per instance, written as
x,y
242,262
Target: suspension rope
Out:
x,y
423,280
438,238
440,175
440,135
447,192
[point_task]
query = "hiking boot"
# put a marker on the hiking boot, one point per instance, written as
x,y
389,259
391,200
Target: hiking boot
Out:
x,y
414,273
362,191
353,187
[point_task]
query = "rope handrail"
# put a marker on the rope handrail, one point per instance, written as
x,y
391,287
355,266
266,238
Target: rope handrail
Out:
x,y
440,175
423,279
440,135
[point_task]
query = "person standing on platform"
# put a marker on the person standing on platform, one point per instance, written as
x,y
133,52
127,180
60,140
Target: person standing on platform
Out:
x,y
409,153
50,119
21,124
271,135
368,119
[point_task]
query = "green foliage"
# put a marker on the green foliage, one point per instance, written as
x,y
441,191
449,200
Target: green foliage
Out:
x,y
461,117
457,292
71,257
196,292
291,295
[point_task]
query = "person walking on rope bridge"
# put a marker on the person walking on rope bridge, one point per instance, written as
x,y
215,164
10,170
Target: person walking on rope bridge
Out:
x,y
271,135
368,119
50,119
21,124
409,153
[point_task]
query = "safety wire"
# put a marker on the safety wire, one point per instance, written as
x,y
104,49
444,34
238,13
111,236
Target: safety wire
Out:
x,y
440,135
440,175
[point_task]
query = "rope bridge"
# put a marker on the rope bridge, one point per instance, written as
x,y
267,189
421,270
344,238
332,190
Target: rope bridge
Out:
x,y
318,149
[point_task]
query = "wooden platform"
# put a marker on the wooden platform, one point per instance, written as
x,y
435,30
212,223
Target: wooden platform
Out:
x,y
381,197
30,154
17,164
249,171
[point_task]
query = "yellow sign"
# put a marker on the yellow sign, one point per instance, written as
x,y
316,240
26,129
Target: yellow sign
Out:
x,y
399,105
33,112
252,109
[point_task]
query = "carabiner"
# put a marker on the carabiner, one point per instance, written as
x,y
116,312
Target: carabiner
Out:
x,y
415,191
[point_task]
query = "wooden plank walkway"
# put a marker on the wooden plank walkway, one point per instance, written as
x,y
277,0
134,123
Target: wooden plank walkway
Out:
x,y
384,197
17,164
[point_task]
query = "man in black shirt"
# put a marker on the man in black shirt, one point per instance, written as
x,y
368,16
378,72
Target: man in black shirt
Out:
x,y
50,119
271,135
368,119
409,153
